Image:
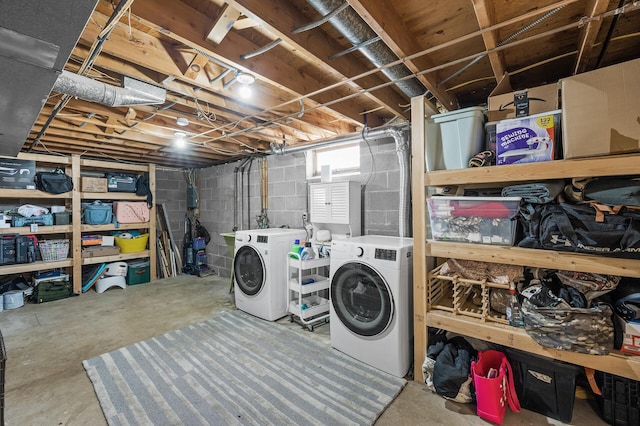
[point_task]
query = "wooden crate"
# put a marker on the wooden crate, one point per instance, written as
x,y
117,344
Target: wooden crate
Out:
x,y
462,296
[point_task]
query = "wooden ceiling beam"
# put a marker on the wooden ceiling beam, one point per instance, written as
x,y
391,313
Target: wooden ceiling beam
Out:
x,y
485,14
381,15
124,146
316,126
227,17
269,67
588,34
281,17
143,132
120,49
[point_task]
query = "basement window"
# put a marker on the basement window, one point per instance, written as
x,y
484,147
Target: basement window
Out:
x,y
342,159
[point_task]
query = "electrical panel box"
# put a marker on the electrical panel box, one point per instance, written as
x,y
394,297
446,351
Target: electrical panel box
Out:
x,y
192,197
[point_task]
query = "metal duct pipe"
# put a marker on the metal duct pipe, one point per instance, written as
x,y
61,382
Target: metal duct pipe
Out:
x,y
134,92
404,160
352,137
356,31
249,193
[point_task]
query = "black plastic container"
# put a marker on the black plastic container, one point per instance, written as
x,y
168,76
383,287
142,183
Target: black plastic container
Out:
x,y
620,400
544,385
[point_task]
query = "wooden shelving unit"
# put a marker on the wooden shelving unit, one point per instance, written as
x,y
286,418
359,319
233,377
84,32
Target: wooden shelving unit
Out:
x,y
426,251
75,166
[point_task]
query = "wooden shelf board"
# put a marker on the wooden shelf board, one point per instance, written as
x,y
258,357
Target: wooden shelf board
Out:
x,y
535,257
99,164
111,227
25,230
34,266
618,165
114,258
129,196
614,363
32,193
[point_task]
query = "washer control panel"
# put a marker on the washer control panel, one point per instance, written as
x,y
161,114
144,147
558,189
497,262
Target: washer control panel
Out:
x,y
386,254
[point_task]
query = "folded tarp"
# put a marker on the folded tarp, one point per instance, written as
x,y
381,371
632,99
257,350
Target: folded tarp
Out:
x,y
536,193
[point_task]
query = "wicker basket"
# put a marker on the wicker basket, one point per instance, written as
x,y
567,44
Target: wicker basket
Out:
x,y
52,250
462,296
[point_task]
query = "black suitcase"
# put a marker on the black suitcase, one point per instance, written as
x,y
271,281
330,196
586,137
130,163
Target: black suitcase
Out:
x,y
52,290
121,182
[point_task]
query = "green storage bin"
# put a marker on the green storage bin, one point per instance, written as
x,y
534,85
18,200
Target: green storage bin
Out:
x,y
138,272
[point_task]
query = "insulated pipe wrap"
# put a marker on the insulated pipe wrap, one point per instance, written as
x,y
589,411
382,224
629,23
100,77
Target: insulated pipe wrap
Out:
x,y
95,91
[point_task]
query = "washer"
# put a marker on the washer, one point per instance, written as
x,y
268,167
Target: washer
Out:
x,y
259,269
371,312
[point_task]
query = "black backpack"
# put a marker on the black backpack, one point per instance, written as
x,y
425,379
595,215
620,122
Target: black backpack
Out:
x,y
142,188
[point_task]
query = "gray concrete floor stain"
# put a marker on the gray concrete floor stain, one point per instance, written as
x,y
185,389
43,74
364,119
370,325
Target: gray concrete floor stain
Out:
x,y
45,383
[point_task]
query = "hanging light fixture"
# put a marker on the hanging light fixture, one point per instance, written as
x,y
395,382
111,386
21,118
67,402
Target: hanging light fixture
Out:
x,y
181,121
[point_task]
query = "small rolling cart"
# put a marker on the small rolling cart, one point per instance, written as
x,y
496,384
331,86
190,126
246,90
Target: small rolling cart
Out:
x,y
308,283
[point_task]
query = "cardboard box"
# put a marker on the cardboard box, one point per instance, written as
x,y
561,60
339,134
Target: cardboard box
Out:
x,y
17,174
98,251
529,139
94,184
504,103
601,111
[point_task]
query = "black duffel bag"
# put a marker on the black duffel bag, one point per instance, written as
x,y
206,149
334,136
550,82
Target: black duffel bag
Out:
x,y
582,228
56,182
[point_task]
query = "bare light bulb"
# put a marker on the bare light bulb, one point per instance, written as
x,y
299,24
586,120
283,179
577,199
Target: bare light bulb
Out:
x,y
180,141
244,91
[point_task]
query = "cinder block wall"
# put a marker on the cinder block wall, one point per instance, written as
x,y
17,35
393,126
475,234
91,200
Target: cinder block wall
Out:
x,y
287,196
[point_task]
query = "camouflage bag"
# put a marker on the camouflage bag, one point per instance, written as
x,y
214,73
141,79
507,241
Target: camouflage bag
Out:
x,y
587,331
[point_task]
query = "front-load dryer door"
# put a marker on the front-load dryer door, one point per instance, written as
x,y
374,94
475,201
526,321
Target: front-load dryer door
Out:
x,y
361,299
248,270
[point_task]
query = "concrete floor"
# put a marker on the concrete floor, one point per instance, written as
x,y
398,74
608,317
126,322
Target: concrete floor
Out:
x,y
45,382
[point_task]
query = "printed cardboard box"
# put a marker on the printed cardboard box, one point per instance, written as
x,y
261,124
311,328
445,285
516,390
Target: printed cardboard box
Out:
x,y
17,174
630,335
528,139
504,103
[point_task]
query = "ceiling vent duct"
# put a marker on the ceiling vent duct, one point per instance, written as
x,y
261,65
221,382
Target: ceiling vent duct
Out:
x,y
36,40
357,32
133,92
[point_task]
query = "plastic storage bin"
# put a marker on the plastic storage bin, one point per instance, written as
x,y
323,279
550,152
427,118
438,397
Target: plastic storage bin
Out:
x,y
483,220
544,385
461,137
138,272
620,400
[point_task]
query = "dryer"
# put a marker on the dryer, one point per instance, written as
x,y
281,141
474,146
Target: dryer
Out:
x,y
259,270
371,311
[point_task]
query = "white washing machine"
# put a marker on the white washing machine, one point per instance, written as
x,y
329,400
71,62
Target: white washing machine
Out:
x,y
371,312
259,270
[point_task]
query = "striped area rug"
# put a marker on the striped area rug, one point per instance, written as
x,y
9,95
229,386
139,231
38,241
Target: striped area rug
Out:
x,y
237,369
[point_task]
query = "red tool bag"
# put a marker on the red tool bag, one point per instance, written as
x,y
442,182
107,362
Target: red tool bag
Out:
x,y
131,212
493,380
